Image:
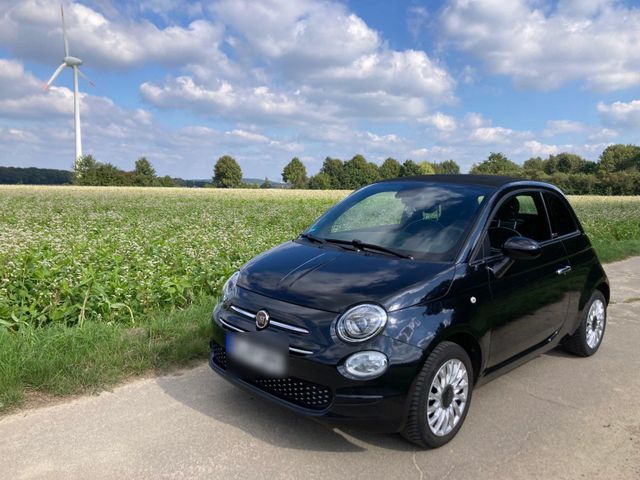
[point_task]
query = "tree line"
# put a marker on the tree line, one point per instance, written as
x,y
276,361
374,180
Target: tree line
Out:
x,y
335,173
88,171
616,172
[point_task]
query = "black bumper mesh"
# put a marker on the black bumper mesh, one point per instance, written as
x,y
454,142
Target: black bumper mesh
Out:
x,y
294,390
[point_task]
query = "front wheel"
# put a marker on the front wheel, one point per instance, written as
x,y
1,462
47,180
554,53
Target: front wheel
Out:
x,y
440,397
587,338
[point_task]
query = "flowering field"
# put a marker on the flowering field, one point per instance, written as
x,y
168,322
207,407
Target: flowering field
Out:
x,y
77,254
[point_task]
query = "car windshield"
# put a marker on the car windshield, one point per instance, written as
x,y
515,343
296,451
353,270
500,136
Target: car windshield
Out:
x,y
420,220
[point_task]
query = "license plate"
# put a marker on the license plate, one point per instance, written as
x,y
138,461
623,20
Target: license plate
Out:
x,y
258,354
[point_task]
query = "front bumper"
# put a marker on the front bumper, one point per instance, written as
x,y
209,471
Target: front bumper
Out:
x,y
314,386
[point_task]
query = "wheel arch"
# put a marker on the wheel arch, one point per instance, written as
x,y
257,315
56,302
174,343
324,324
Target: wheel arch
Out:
x,y
468,341
604,288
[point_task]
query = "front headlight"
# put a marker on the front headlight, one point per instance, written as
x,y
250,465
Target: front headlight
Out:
x,y
229,288
361,323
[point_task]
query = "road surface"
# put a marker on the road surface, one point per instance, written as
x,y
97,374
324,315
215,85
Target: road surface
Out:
x,y
557,417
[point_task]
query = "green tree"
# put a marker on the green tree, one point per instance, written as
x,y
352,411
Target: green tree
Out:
x,y
410,168
107,174
320,181
295,174
564,163
534,164
85,170
334,169
390,168
448,167
266,183
426,168
227,173
166,181
144,175
619,157
358,172
590,167
497,164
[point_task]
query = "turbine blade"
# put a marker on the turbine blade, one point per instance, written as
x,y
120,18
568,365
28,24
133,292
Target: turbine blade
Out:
x,y
54,76
81,73
64,33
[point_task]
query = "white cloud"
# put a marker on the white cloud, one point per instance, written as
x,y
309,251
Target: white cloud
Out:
x,y
298,35
417,17
314,58
248,136
561,127
32,29
625,115
537,149
260,103
595,42
492,135
440,121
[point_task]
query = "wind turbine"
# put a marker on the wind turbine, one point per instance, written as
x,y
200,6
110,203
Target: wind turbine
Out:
x,y
74,63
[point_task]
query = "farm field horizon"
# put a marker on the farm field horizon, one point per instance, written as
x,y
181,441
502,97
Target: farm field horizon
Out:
x,y
115,281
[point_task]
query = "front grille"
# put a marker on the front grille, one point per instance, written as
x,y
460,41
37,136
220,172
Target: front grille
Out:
x,y
294,390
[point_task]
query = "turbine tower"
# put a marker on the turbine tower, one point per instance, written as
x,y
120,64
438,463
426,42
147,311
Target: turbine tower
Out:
x,y
74,63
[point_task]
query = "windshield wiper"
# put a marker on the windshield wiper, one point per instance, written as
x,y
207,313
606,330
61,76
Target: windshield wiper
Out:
x,y
368,246
313,238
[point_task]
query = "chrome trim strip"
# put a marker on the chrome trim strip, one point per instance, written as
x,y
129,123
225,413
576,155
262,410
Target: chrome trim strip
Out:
x,y
229,326
242,312
286,326
300,350
237,329
275,323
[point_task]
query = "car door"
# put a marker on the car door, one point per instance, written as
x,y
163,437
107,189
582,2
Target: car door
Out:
x,y
529,302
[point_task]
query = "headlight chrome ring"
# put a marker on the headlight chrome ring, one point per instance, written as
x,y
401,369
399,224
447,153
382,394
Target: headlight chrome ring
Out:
x,y
360,323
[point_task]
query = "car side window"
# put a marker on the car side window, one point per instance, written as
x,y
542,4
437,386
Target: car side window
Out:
x,y
519,215
561,219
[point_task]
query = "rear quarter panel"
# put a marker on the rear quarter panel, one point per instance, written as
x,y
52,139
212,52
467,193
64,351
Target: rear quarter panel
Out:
x,y
586,274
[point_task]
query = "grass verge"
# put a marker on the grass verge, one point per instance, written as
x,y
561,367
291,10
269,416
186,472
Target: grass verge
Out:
x,y
614,250
59,360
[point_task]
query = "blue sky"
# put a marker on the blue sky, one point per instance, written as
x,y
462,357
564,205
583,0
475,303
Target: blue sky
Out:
x,y
185,82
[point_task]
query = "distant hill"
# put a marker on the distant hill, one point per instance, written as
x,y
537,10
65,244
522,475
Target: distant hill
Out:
x,y
260,181
35,176
50,176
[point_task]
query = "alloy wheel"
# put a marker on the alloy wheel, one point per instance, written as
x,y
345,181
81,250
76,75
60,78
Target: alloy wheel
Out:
x,y
447,397
595,323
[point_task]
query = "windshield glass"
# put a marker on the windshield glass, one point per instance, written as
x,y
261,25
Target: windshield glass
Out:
x,y
418,219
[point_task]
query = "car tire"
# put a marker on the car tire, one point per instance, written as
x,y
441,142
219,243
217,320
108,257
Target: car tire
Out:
x,y
588,337
423,409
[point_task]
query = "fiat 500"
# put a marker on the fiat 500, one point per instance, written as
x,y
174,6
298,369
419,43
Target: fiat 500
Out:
x,y
406,295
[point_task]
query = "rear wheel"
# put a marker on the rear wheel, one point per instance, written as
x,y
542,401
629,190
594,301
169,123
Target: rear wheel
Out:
x,y
588,337
440,397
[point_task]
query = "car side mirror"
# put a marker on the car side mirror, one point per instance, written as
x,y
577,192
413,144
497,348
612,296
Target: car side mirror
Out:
x,y
521,248
516,248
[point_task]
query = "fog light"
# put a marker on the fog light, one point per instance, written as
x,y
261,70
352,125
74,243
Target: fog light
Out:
x,y
364,365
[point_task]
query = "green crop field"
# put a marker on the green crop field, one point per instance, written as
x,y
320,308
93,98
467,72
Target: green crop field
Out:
x,y
100,283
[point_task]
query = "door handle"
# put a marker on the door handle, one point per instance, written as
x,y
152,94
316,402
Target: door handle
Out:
x,y
563,270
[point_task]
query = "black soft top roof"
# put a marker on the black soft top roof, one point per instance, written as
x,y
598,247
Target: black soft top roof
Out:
x,y
461,179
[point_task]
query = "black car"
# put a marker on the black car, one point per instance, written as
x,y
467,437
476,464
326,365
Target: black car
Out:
x,y
398,301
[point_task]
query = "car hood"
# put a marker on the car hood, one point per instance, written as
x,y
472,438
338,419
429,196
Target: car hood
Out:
x,y
330,279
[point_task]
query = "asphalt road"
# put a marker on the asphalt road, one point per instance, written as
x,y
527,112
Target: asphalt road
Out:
x,y
556,417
